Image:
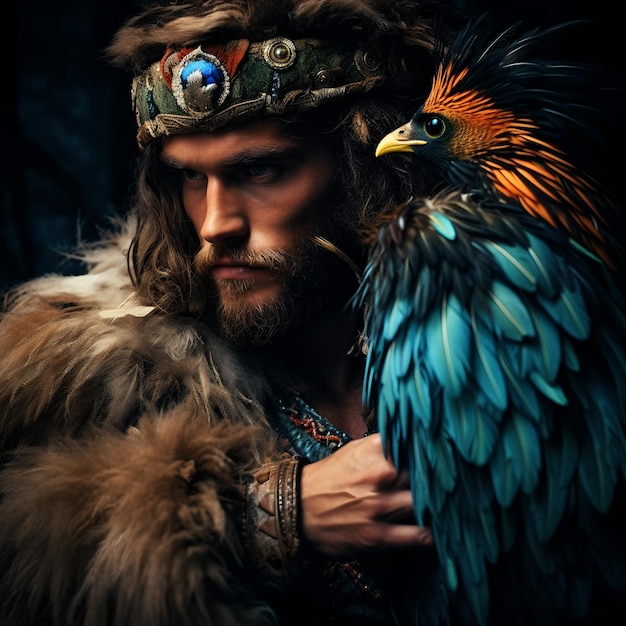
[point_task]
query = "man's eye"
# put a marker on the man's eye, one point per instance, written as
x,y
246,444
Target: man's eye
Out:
x,y
192,176
261,170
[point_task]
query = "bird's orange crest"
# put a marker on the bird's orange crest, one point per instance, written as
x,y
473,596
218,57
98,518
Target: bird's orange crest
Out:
x,y
520,165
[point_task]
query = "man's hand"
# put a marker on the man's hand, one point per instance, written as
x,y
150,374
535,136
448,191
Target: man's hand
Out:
x,y
355,503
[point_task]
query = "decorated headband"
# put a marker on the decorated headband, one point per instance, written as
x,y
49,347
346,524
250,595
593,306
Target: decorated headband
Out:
x,y
206,87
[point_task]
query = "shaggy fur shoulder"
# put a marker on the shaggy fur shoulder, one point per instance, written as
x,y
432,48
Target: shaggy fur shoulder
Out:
x,y
78,351
124,434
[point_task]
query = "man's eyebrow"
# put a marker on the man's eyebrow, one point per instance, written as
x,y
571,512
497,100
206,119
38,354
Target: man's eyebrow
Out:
x,y
250,155
171,161
263,153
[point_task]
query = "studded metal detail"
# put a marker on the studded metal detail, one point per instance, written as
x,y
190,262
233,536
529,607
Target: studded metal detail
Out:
x,y
279,53
323,78
367,62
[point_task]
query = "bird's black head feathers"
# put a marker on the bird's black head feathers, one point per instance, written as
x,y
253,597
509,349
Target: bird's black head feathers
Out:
x,y
518,70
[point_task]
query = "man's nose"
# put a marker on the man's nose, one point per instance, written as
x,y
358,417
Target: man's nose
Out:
x,y
225,216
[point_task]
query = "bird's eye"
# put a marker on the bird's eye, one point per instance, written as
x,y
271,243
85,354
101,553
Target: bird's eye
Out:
x,y
434,126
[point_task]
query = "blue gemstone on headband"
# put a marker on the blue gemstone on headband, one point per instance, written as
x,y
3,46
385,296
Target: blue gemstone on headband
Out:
x,y
210,73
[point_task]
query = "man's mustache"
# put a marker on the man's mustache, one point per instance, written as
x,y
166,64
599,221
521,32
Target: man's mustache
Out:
x,y
270,259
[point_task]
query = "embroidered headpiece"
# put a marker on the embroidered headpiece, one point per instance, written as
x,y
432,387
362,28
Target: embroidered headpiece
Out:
x,y
206,87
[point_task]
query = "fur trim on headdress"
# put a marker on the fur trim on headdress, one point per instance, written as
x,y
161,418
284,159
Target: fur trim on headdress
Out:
x,y
143,39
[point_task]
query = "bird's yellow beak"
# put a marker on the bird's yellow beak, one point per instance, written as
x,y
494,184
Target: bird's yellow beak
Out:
x,y
398,140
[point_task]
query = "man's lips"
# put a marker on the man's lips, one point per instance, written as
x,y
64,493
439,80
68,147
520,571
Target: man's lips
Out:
x,y
233,271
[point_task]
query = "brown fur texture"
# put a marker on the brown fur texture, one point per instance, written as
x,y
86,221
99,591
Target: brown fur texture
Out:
x,y
137,529
143,39
125,434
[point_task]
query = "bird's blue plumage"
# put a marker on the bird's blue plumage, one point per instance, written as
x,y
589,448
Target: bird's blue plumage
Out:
x,y
496,365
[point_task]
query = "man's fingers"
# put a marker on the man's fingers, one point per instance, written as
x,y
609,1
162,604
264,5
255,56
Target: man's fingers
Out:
x,y
397,505
403,535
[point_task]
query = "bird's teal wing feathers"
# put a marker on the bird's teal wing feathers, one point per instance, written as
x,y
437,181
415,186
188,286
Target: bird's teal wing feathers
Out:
x,y
497,369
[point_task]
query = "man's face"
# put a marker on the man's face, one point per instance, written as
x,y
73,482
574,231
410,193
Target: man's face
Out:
x,y
255,197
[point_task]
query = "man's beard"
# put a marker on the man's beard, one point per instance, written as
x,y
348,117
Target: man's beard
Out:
x,y
310,281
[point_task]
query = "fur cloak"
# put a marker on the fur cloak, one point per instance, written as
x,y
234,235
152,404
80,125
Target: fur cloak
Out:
x,y
124,435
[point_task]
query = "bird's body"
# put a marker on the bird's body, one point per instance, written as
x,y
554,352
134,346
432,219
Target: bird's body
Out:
x,y
496,366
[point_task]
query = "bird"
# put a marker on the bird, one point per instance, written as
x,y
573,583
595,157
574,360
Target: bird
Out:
x,y
495,342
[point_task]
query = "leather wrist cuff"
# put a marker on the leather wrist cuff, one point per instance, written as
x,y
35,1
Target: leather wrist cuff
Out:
x,y
272,527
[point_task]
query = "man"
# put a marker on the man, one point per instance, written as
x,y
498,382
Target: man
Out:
x,y
167,420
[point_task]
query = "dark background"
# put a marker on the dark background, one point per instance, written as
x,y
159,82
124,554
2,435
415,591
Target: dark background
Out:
x,y
68,133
